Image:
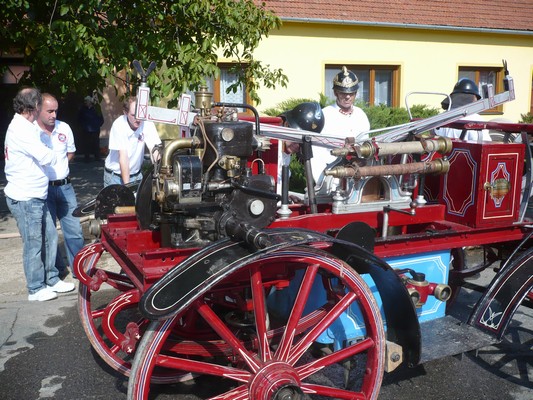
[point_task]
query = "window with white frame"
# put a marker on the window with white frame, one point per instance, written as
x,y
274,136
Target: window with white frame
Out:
x,y
219,87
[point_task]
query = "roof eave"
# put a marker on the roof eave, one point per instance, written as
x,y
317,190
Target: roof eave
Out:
x,y
405,26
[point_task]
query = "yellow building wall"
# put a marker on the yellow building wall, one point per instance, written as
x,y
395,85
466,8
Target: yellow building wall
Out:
x,y
429,60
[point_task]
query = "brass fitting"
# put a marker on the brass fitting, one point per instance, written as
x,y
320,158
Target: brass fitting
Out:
x,y
203,101
181,143
442,292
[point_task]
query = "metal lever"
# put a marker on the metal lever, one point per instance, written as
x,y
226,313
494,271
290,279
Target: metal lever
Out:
x,y
387,209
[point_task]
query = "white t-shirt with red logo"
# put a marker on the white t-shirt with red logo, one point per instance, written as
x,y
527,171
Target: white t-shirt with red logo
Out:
x,y
62,142
122,137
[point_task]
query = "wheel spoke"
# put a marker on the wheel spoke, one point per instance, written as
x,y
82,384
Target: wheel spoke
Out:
x,y
240,393
258,296
333,392
312,367
282,352
302,346
114,349
202,367
225,333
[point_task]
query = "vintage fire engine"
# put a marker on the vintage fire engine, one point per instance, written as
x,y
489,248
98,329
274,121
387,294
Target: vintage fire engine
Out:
x,y
215,273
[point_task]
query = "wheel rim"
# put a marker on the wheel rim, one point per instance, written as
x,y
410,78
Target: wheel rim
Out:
x,y
276,360
106,309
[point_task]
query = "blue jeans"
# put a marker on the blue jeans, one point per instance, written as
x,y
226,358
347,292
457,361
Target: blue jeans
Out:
x,y
62,202
115,179
39,242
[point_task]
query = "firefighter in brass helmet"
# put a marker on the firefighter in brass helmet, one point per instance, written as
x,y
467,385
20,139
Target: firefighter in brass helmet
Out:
x,y
346,81
342,119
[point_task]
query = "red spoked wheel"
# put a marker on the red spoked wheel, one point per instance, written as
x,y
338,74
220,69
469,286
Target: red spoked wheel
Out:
x,y
265,353
107,306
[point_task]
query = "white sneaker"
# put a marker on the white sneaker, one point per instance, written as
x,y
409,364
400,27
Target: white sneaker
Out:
x,y
42,295
62,287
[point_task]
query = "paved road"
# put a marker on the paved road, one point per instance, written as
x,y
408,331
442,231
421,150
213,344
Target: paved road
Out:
x,y
45,354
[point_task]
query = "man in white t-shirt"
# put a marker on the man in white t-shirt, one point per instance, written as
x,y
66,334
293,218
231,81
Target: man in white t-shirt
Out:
x,y
127,140
26,192
57,135
342,119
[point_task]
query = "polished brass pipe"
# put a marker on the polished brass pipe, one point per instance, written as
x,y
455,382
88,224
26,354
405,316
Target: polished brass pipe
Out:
x,y
438,166
370,149
181,143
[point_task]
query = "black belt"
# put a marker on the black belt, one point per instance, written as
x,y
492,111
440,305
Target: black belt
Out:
x,y
60,182
114,173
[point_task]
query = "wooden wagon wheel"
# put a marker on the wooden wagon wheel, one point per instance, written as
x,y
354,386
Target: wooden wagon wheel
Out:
x,y
273,355
107,304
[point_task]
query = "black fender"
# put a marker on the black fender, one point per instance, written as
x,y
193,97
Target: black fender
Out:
x,y
196,275
106,200
495,309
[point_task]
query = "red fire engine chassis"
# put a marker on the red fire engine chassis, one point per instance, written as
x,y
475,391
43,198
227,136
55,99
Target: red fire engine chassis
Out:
x,y
143,262
216,274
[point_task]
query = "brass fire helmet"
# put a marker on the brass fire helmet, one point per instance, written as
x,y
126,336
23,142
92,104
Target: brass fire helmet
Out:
x,y
346,81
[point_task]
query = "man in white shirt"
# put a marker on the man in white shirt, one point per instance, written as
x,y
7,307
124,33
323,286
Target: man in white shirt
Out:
x,y
127,139
26,192
464,92
61,199
342,119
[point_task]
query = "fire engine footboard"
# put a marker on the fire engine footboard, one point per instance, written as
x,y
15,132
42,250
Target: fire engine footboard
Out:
x,y
449,336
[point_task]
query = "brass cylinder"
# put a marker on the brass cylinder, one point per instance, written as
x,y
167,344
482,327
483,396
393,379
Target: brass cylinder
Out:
x,y
369,149
438,166
203,100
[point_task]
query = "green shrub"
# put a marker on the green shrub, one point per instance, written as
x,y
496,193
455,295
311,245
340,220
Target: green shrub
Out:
x,y
382,116
297,177
293,102
526,118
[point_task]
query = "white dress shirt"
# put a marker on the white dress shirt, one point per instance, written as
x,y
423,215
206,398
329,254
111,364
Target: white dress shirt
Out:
x,y
25,158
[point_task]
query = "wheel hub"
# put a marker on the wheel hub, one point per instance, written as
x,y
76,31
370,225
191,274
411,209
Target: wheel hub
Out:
x,y
276,381
288,393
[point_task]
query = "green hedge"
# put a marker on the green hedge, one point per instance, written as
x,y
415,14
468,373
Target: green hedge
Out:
x,y
526,118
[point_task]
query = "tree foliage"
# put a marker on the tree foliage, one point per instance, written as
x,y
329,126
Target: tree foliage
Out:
x,y
81,45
